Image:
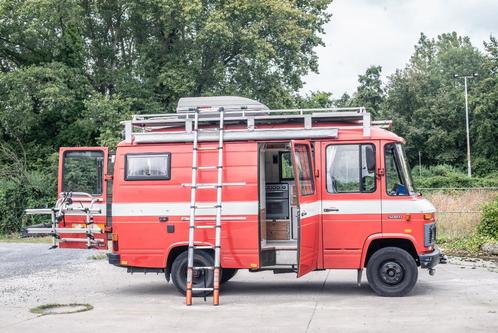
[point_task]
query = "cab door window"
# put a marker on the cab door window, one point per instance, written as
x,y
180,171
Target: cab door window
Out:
x,y
398,177
351,168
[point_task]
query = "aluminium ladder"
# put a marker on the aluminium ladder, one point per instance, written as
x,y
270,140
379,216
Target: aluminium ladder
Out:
x,y
194,207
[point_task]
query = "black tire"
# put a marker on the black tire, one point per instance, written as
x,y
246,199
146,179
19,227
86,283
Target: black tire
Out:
x,y
202,278
227,274
392,272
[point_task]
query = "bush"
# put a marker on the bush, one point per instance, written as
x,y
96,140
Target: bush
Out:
x,y
448,176
489,220
34,190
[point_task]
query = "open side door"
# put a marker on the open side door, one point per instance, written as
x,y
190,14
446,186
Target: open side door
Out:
x,y
82,197
309,207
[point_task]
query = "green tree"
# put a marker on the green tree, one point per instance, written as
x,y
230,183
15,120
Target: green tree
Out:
x,y
70,70
370,93
426,103
485,109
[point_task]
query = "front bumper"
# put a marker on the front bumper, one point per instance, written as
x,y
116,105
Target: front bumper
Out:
x,y
430,260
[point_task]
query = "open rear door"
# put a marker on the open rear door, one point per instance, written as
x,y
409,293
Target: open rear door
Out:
x,y
82,197
309,207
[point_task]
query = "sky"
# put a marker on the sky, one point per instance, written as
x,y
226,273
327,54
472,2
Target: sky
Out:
x,y
362,33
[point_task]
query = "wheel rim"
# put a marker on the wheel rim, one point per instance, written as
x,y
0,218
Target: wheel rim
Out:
x,y
199,276
392,272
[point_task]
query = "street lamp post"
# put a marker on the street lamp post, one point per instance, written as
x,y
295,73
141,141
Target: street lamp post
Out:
x,y
465,78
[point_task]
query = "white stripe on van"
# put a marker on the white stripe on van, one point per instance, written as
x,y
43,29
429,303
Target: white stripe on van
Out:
x,y
241,208
182,208
378,206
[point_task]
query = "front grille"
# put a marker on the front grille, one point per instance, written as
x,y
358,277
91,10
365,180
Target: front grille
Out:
x,y
429,234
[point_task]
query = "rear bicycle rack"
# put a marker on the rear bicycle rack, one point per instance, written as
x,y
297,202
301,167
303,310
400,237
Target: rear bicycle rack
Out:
x,y
57,213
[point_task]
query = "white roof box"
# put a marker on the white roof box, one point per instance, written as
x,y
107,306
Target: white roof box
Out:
x,y
213,103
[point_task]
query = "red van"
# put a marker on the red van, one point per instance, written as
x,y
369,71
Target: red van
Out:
x,y
314,189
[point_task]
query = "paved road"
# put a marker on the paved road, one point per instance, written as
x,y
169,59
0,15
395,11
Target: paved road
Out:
x,y
21,259
461,297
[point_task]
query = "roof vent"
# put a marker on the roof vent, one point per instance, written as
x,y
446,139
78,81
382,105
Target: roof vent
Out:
x,y
228,103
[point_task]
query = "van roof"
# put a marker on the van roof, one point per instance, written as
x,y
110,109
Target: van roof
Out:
x,y
245,119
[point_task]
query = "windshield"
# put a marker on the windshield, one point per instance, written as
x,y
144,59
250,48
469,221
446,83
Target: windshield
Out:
x,y
398,177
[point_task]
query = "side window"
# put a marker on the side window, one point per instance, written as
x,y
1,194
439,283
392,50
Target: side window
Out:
x,y
398,177
286,169
304,169
351,168
152,166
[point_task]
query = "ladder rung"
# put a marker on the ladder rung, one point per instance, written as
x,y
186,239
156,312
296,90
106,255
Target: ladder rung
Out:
x,y
209,148
202,267
209,185
210,167
205,226
206,206
212,218
202,289
203,247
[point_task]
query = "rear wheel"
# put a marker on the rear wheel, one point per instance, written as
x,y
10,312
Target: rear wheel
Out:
x,y
227,274
200,279
392,272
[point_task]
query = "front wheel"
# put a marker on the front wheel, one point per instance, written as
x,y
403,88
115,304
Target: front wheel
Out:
x,y
392,272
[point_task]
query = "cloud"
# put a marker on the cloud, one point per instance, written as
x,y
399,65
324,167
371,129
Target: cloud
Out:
x,y
384,32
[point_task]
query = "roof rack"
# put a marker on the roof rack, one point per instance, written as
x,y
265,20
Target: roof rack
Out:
x,y
152,128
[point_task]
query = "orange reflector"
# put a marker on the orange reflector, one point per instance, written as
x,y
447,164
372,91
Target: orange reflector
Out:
x,y
429,216
408,231
114,237
124,262
254,266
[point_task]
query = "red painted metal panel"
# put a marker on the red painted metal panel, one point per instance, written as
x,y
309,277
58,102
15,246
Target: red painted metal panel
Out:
x,y
358,216
138,205
309,207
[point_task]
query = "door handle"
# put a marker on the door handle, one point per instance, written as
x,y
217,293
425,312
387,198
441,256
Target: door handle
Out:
x,y
331,209
304,213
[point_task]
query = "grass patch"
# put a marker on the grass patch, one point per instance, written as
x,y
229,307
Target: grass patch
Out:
x,y
468,246
16,238
98,256
459,212
53,309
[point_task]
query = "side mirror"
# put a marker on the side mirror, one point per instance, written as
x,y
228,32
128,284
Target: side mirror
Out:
x,y
370,158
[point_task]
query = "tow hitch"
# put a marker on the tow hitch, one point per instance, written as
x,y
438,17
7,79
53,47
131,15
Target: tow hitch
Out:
x,y
443,259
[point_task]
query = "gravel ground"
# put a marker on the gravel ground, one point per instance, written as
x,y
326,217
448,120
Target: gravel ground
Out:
x,y
462,296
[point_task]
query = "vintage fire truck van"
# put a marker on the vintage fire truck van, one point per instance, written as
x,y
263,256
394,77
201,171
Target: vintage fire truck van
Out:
x,y
227,184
